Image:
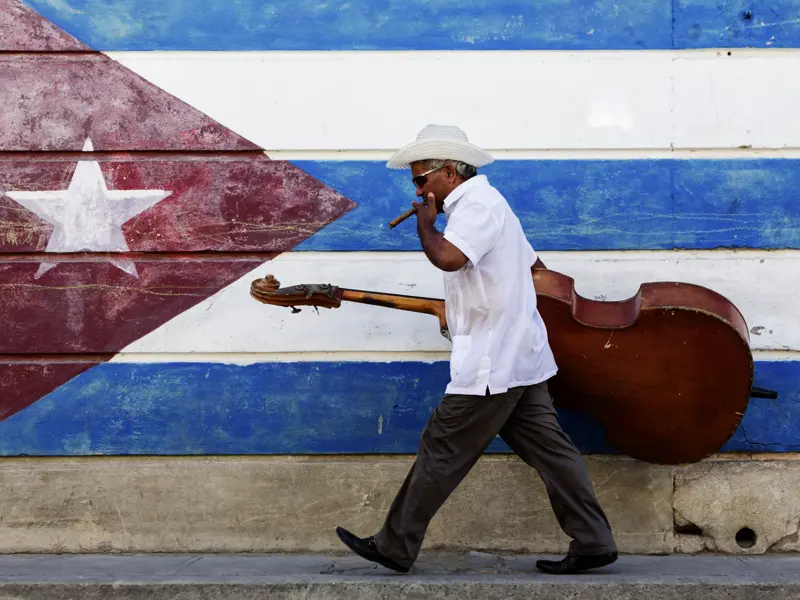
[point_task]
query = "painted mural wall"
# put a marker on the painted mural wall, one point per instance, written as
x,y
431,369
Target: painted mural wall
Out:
x,y
157,156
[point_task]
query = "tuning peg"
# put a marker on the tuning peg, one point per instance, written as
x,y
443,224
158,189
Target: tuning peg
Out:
x,y
271,283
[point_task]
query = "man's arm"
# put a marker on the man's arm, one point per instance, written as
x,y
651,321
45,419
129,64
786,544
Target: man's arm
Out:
x,y
442,254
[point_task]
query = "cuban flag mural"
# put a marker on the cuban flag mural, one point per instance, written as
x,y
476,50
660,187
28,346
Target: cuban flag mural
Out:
x,y
157,156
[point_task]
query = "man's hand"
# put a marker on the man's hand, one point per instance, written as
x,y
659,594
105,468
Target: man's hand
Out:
x,y
426,212
440,252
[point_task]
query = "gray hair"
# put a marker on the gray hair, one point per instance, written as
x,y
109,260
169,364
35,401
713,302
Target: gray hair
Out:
x,y
466,171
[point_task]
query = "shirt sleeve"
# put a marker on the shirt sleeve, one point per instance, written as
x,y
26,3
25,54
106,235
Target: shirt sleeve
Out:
x,y
533,255
474,229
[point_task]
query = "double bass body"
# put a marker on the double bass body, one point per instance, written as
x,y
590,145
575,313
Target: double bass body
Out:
x,y
667,373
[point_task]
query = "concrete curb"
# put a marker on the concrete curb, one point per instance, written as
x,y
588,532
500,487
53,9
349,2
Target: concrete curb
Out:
x,y
463,576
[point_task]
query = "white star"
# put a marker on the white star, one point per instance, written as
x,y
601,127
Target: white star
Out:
x,y
87,216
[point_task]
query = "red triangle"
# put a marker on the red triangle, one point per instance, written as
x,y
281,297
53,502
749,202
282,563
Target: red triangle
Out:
x,y
22,29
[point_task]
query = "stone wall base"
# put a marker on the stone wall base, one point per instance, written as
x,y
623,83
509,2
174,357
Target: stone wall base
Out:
x,y
732,503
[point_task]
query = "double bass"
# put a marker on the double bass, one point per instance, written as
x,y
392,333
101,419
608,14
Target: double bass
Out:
x,y
667,373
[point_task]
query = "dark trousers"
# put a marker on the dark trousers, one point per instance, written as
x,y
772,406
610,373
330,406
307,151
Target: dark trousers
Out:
x,y
457,434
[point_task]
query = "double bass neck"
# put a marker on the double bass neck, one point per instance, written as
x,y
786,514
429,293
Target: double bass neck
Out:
x,y
417,304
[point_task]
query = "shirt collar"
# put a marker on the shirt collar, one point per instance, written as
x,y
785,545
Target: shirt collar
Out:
x,y
462,189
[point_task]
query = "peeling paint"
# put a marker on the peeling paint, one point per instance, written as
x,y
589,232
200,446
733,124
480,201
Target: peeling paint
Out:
x,y
362,24
646,204
427,24
22,29
221,204
87,216
57,101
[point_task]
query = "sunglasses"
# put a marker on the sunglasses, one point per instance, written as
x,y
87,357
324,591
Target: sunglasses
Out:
x,y
422,178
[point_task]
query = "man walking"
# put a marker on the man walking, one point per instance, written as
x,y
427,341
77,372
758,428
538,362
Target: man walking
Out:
x,y
499,364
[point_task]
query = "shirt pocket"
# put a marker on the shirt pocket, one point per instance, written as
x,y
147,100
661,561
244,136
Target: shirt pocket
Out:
x,y
459,361
468,366
537,333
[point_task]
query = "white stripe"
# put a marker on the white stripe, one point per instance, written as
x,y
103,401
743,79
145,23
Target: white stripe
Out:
x,y
776,355
505,100
251,358
233,322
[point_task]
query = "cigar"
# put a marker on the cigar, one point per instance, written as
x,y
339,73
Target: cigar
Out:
x,y
395,222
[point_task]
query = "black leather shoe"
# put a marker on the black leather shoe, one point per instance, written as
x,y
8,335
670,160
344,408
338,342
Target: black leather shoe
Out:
x,y
574,563
366,548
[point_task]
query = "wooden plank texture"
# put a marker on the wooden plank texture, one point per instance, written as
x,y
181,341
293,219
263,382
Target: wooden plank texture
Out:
x,y
592,100
55,102
237,203
646,204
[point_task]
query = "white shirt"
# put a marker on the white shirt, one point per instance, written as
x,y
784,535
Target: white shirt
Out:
x,y
499,337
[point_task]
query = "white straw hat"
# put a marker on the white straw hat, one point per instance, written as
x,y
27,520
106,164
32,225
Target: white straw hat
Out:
x,y
440,141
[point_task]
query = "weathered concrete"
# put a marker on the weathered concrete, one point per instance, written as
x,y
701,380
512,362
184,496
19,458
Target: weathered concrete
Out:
x,y
293,504
757,500
465,576
268,504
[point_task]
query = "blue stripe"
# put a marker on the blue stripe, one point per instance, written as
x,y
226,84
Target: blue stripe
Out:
x,y
737,24
423,24
590,205
361,24
300,408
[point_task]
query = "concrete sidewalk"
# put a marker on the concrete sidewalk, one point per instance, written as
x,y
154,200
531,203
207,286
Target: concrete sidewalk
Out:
x,y
462,576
